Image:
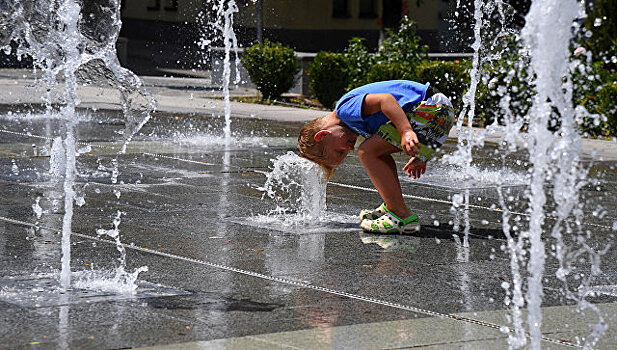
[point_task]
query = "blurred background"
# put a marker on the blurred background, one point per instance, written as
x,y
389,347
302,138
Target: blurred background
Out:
x,y
165,37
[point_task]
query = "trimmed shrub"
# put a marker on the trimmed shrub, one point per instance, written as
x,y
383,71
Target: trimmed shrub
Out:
x,y
271,67
328,77
390,71
449,77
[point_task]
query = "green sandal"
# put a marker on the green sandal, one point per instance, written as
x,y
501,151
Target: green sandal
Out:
x,y
373,214
390,223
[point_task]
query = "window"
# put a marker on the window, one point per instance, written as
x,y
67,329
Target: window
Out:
x,y
367,9
156,6
340,9
173,6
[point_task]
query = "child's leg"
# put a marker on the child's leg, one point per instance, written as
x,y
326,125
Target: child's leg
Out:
x,y
375,154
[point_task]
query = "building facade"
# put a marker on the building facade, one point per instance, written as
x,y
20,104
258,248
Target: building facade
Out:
x,y
166,31
305,25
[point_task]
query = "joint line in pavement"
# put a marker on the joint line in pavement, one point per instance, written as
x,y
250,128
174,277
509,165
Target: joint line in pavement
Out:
x,y
176,158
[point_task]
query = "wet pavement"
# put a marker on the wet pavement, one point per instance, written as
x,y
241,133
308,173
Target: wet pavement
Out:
x,y
218,279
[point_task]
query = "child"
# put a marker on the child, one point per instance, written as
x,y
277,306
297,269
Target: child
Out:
x,y
392,116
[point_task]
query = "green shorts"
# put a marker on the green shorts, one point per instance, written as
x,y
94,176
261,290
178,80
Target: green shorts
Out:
x,y
431,123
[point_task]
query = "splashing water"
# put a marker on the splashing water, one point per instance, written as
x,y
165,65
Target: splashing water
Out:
x,y
556,174
223,24
466,141
108,281
36,208
73,42
14,168
124,280
229,39
298,187
444,174
555,156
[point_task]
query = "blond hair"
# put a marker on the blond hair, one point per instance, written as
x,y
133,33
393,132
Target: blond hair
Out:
x,y
311,149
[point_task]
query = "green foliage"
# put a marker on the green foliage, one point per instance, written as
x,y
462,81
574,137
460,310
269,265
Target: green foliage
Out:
x,y
449,77
271,67
608,104
328,77
398,56
359,62
595,83
402,46
594,89
506,88
601,22
390,71
506,91
586,82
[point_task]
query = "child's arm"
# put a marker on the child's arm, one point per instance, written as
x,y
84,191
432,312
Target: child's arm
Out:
x,y
415,167
387,104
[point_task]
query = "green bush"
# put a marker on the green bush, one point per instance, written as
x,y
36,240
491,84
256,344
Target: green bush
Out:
x,y
602,103
271,67
601,24
506,90
449,77
594,88
608,104
359,62
398,56
390,71
402,46
328,77
587,81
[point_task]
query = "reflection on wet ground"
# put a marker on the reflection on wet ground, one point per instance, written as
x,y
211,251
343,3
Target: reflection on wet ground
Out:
x,y
193,214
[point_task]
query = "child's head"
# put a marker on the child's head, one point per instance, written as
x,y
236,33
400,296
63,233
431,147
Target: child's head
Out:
x,y
325,143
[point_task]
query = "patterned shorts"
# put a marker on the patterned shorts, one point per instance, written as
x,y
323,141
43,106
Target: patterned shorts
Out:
x,y
430,121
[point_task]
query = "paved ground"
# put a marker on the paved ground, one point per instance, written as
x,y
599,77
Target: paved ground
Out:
x,y
219,278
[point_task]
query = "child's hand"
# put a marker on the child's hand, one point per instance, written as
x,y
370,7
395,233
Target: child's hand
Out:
x,y
410,143
415,167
